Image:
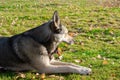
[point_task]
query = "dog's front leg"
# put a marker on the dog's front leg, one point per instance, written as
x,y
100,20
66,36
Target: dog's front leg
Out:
x,y
42,65
65,69
55,62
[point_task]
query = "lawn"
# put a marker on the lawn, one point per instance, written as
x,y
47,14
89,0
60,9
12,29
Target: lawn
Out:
x,y
96,29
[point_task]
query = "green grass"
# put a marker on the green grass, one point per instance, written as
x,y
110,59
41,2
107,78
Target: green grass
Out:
x,y
97,29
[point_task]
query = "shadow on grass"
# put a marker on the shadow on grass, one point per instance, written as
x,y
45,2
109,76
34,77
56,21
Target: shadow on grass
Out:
x,y
5,74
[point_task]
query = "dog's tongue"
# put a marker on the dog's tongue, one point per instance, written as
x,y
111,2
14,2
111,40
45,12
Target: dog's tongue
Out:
x,y
59,51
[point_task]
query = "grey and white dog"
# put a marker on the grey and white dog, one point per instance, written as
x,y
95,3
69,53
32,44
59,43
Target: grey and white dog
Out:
x,y
32,50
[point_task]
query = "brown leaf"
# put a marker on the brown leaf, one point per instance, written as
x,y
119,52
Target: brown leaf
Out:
x,y
113,75
73,34
105,62
42,76
59,51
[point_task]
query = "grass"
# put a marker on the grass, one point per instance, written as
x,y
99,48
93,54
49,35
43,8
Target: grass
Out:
x,y
97,27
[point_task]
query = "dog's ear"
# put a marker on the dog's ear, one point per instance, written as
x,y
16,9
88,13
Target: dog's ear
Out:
x,y
56,24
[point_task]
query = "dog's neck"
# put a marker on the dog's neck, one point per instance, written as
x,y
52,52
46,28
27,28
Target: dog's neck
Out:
x,y
43,35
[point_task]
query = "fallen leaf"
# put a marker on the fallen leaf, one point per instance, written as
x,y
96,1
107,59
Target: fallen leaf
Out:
x,y
93,58
21,75
91,27
113,75
78,61
105,62
33,77
56,77
81,43
52,76
74,57
59,51
42,76
73,34
90,65
99,56
37,75
61,78
113,63
111,32
105,58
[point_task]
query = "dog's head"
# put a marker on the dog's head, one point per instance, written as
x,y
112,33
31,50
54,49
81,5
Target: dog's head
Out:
x,y
60,31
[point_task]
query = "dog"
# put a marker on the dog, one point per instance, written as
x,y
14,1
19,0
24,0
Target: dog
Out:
x,y
33,49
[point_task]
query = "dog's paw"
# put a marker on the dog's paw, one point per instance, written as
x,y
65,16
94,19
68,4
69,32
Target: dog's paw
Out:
x,y
85,71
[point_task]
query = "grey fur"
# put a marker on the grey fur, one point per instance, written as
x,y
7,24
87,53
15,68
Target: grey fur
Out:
x,y
32,50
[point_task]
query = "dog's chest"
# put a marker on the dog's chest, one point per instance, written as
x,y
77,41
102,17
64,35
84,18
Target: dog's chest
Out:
x,y
53,47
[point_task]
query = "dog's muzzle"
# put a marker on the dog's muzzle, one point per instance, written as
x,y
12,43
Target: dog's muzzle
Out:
x,y
69,40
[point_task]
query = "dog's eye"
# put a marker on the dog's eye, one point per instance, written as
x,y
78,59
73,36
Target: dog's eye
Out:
x,y
58,30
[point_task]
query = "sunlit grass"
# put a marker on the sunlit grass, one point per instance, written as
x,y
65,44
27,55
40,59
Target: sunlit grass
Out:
x,y
97,28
